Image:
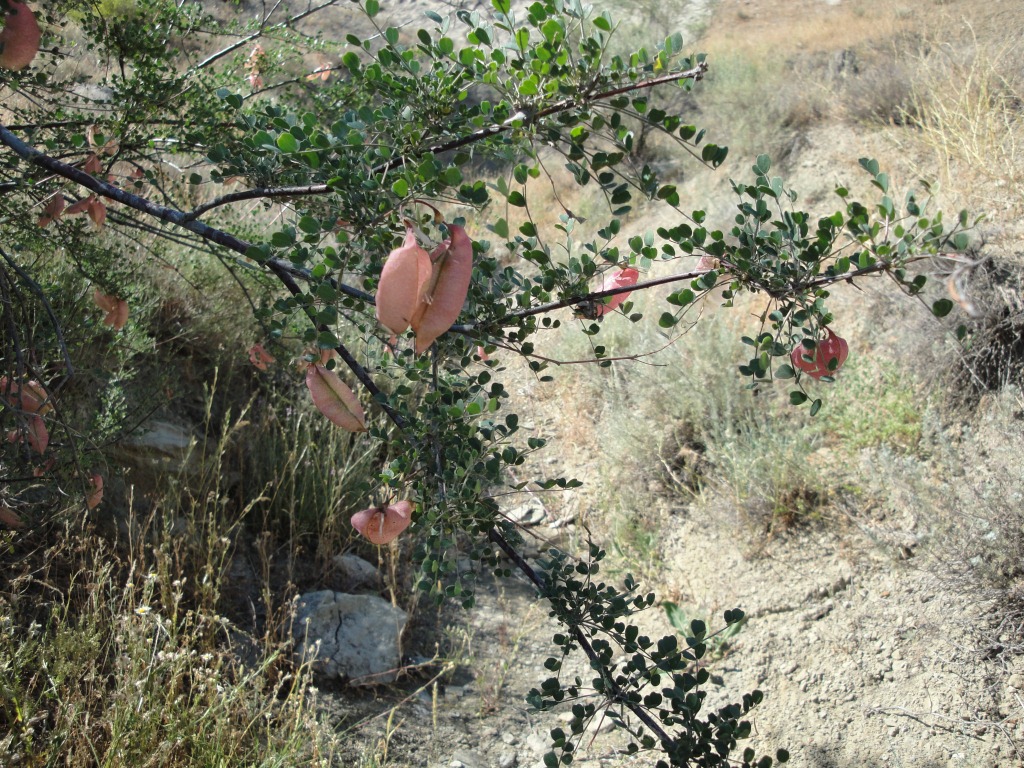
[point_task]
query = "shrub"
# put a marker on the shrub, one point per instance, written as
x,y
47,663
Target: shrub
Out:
x,y
385,147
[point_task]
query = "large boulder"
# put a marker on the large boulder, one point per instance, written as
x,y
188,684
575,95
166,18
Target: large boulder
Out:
x,y
352,637
355,572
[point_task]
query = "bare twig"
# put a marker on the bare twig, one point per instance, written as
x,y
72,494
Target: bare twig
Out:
x,y
260,32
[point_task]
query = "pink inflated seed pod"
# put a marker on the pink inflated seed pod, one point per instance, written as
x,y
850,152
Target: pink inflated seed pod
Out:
x,y
19,39
29,397
381,525
95,492
450,284
260,358
35,433
52,210
333,398
620,278
116,309
403,284
820,363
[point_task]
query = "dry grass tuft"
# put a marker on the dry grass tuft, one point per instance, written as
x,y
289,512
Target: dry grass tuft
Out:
x,y
968,102
982,552
993,352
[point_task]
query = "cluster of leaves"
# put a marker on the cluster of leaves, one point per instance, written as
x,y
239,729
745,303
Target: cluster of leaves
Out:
x,y
773,251
657,686
346,162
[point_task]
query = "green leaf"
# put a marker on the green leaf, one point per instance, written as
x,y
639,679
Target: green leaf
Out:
x,y
552,30
796,397
529,86
287,143
942,307
400,188
327,340
502,6
257,253
667,320
681,298
372,8
869,165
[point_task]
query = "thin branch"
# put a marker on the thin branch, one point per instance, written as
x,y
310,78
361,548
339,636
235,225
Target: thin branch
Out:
x,y
574,300
260,32
518,119
284,275
163,213
638,357
881,266
34,287
614,692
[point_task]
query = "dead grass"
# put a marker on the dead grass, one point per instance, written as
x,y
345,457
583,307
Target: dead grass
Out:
x,y
776,70
119,657
967,103
982,551
780,28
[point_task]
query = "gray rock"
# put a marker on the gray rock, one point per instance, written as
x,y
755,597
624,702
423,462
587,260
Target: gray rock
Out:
x,y
163,440
526,514
355,571
507,760
355,637
537,743
463,758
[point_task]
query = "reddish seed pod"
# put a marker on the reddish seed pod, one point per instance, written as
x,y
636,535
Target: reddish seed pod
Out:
x,y
29,396
620,278
19,39
826,359
10,518
333,398
52,210
32,401
95,492
403,284
450,284
35,433
116,309
260,358
381,525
